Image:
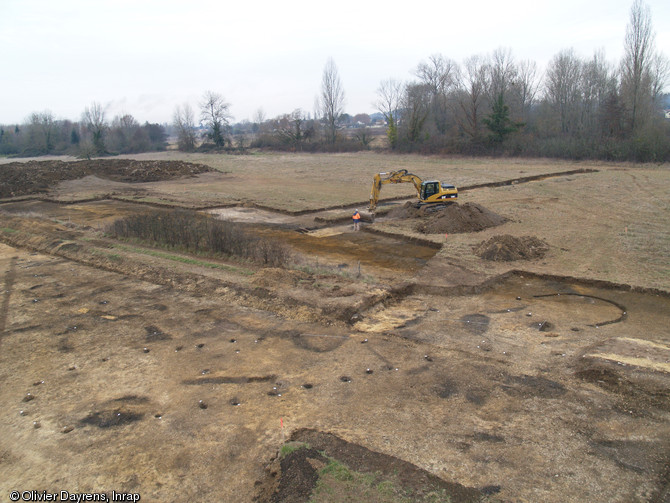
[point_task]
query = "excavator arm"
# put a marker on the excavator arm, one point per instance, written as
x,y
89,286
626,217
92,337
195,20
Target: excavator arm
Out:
x,y
401,176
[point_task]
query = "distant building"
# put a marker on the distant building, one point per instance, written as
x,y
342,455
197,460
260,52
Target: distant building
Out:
x,y
667,113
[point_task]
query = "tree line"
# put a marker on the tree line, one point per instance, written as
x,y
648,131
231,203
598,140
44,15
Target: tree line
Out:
x,y
487,104
93,135
580,108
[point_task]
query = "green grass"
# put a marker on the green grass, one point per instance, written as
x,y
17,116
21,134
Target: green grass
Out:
x,y
114,257
339,483
150,200
183,260
9,230
290,447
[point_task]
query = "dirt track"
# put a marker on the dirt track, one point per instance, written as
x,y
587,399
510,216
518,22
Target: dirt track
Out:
x,y
507,386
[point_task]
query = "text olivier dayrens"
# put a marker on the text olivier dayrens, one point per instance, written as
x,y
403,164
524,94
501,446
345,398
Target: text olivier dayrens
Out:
x,y
68,496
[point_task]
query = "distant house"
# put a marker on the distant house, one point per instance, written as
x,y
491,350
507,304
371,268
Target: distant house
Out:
x,y
667,113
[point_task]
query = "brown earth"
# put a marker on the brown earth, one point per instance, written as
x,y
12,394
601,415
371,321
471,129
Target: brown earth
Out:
x,y
25,178
507,248
179,377
451,218
292,478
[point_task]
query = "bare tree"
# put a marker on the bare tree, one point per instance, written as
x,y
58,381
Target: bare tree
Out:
x,y
598,82
635,66
184,122
502,73
216,115
258,120
291,129
527,86
471,95
389,95
416,107
42,131
123,133
95,122
332,100
563,88
659,74
439,74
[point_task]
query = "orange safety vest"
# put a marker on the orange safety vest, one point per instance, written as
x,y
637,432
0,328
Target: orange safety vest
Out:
x,y
357,216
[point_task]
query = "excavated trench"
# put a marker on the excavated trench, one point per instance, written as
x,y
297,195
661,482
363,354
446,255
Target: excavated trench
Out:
x,y
347,251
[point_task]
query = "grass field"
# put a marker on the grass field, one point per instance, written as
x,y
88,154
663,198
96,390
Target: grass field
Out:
x,y
311,181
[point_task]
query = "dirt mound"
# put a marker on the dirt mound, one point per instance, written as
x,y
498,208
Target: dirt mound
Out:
x,y
451,218
25,178
506,248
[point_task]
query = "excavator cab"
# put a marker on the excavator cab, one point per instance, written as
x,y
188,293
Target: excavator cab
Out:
x,y
429,189
435,192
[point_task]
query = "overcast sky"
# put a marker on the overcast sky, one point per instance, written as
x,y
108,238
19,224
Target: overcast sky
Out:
x,y
144,57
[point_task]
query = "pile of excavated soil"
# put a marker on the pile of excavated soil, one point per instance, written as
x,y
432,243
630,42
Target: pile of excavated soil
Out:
x,y
25,178
452,218
507,248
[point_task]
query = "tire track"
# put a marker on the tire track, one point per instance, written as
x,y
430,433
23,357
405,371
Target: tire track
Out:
x,y
10,277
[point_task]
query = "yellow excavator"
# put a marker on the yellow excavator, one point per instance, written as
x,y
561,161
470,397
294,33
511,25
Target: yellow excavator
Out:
x,y
430,191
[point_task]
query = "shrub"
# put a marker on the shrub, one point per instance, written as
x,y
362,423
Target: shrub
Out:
x,y
198,233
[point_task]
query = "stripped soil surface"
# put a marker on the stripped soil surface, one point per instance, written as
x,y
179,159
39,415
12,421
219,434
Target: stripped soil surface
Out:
x,y
134,368
20,179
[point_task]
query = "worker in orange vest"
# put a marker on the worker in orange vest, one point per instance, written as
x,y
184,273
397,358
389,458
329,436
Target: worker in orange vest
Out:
x,y
357,219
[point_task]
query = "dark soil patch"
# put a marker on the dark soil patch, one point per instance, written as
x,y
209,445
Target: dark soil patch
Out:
x,y
154,333
488,437
299,475
636,389
476,324
637,455
109,418
447,389
33,177
507,248
452,218
525,386
363,460
291,478
229,379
